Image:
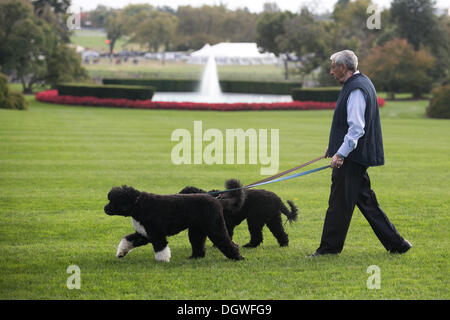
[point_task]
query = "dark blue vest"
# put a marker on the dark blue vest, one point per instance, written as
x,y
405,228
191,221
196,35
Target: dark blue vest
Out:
x,y
369,150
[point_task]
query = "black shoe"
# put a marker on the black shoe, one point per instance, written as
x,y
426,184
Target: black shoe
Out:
x,y
318,254
315,254
404,248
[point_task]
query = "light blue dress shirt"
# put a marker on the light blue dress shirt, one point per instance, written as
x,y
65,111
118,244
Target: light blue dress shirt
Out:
x,y
356,107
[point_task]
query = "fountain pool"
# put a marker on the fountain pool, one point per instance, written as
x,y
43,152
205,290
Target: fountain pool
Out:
x,y
209,91
223,98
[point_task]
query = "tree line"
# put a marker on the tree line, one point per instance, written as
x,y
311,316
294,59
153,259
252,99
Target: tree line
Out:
x,y
408,52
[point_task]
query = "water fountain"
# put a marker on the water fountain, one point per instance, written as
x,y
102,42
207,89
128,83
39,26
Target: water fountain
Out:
x,y
209,85
210,92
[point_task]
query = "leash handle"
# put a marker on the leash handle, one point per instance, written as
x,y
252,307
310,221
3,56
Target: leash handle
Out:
x,y
284,172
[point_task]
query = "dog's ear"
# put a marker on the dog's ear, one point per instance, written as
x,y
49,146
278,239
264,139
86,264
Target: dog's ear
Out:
x,y
124,193
128,189
130,192
114,192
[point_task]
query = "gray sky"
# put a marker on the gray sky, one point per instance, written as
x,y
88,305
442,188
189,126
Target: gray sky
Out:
x,y
317,6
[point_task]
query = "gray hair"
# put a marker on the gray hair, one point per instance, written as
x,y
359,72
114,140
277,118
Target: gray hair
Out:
x,y
346,57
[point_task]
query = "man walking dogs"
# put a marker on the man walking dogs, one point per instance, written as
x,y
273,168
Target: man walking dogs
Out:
x,y
355,144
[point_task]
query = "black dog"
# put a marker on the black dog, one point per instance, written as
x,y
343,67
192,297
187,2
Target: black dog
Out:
x,y
154,217
260,207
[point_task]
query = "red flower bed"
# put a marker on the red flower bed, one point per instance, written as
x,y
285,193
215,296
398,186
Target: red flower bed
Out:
x,y
53,97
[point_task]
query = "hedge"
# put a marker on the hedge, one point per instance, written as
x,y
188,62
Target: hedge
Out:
x,y
323,94
106,91
52,96
162,85
262,87
236,86
440,103
10,99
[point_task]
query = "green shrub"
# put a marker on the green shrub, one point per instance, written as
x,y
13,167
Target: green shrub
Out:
x,y
4,89
176,85
440,103
161,85
10,99
322,94
262,87
106,91
17,101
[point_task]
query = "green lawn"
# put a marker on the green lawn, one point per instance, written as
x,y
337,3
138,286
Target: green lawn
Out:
x,y
57,164
95,40
181,70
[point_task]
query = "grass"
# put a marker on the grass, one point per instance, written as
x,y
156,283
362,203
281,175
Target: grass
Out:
x,y
181,70
57,164
95,40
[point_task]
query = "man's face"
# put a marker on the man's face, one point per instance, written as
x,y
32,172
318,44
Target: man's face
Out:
x,y
338,72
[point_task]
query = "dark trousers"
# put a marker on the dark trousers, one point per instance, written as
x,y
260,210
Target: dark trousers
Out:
x,y
351,186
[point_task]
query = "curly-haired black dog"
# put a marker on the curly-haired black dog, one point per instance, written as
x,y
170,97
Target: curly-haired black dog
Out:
x,y
260,207
154,217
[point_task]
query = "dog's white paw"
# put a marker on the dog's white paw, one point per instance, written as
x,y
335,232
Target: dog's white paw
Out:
x,y
124,247
163,255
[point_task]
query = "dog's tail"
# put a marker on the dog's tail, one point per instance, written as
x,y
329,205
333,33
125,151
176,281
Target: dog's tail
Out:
x,y
233,200
291,215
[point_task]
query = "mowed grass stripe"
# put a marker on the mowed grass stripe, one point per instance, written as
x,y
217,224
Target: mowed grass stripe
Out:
x,y
57,164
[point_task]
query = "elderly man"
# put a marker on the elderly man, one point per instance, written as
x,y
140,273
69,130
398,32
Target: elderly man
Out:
x,y
355,144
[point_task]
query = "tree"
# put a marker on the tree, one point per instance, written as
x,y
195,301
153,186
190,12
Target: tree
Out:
x,y
58,6
23,44
31,50
157,30
98,16
270,30
213,24
350,29
271,7
198,26
415,21
240,26
10,13
306,38
115,28
397,67
63,65
55,13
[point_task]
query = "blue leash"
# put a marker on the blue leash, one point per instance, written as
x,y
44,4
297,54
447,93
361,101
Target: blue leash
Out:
x,y
272,181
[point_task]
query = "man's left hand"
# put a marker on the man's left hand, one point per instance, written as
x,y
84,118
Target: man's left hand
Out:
x,y
336,161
